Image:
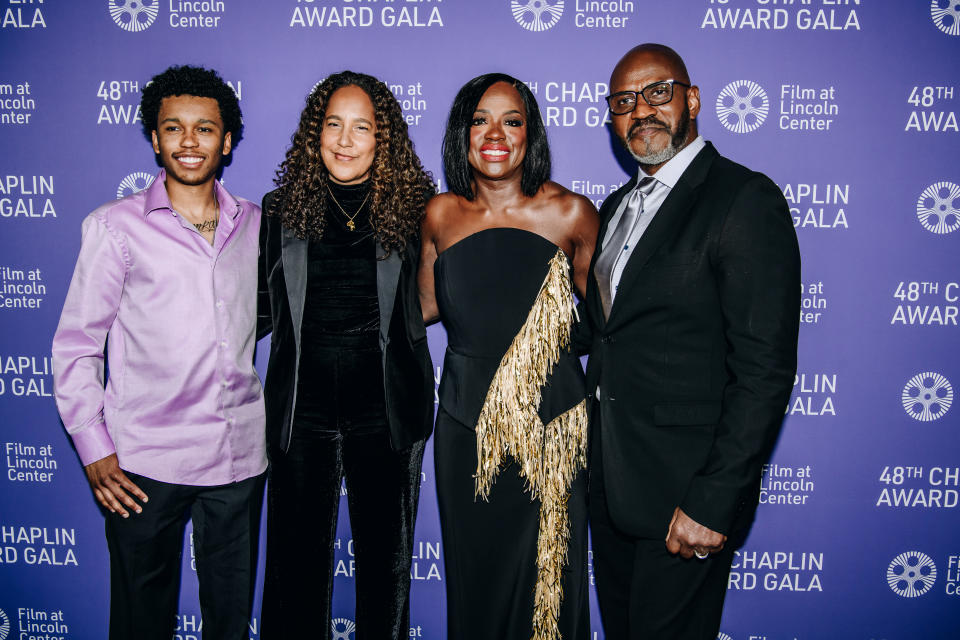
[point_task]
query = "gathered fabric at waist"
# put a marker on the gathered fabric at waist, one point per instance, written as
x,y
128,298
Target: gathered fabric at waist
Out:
x,y
362,340
341,385
466,380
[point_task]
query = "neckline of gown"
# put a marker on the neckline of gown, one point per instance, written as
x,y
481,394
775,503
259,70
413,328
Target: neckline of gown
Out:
x,y
477,233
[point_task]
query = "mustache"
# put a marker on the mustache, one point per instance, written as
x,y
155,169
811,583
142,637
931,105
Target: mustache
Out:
x,y
650,121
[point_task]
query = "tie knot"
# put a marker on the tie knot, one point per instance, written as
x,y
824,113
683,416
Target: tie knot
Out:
x,y
646,185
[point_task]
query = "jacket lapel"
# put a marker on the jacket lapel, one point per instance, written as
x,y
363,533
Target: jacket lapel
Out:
x,y
388,275
293,251
671,215
294,256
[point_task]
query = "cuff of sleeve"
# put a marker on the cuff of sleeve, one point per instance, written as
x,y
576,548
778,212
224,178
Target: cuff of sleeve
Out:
x,y
713,509
93,443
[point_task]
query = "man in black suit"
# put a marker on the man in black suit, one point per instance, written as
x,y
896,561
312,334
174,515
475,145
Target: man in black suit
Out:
x,y
693,314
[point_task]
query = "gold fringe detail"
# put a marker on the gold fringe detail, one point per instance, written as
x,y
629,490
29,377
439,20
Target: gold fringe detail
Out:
x,y
549,456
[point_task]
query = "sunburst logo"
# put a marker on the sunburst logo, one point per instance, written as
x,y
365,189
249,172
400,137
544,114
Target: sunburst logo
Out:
x,y
927,396
342,629
4,625
537,15
133,15
938,208
742,106
946,15
911,574
133,183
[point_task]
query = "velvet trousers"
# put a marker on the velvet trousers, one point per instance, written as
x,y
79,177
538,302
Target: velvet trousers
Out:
x,y
303,497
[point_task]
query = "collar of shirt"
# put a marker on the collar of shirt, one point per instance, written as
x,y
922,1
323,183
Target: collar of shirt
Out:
x,y
156,197
667,178
669,174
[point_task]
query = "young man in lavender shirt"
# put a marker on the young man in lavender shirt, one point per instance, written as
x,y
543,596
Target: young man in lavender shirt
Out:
x,y
165,289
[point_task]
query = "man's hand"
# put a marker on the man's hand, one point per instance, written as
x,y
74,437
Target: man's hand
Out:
x,y
687,537
110,485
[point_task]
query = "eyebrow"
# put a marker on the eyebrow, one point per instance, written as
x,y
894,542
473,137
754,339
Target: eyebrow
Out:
x,y
504,113
201,121
333,116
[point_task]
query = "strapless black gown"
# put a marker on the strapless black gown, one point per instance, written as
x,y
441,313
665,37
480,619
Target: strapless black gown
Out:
x,y
505,300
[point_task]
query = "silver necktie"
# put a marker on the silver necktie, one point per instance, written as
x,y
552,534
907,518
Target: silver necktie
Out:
x,y
618,241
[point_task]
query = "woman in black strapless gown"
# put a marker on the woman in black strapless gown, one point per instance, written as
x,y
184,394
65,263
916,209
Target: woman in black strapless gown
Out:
x,y
511,433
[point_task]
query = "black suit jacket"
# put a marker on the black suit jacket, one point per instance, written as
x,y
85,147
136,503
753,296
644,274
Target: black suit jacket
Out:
x,y
696,362
407,368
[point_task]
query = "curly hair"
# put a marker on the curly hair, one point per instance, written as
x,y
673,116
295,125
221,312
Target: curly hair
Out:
x,y
456,138
191,81
400,188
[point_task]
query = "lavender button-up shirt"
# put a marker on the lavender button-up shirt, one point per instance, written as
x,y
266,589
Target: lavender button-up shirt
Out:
x,y
176,318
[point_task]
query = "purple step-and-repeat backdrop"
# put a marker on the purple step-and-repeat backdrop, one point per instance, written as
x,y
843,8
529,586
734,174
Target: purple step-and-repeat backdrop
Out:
x,y
850,106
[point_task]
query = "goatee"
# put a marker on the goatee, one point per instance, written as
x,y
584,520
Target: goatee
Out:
x,y
677,142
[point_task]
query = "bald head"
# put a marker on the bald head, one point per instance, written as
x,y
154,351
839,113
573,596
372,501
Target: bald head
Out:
x,y
652,52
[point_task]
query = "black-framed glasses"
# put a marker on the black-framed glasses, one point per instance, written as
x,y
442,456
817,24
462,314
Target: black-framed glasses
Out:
x,y
654,95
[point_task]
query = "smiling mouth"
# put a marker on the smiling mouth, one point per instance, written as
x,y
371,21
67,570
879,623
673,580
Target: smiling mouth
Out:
x,y
189,160
494,153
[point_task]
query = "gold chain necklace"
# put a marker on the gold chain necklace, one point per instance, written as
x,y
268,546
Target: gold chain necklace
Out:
x,y
350,224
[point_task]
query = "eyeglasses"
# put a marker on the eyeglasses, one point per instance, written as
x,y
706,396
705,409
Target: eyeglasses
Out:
x,y
654,95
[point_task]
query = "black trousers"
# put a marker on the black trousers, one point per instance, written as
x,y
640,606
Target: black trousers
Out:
x,y
644,592
303,497
146,555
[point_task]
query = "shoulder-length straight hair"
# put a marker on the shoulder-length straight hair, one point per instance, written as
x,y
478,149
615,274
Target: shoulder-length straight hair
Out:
x,y
456,139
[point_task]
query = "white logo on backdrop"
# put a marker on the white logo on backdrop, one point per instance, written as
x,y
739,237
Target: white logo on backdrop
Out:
x,y
4,625
927,396
946,15
742,106
134,15
133,183
938,208
537,15
911,574
342,629
723,636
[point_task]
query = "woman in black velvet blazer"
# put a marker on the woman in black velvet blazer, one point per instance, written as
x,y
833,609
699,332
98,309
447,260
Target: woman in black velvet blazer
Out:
x,y
349,386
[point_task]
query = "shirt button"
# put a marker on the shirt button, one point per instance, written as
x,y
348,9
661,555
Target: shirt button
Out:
x,y
219,304
223,344
224,384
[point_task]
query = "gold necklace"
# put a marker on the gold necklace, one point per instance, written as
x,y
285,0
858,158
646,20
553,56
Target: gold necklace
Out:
x,y
350,224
